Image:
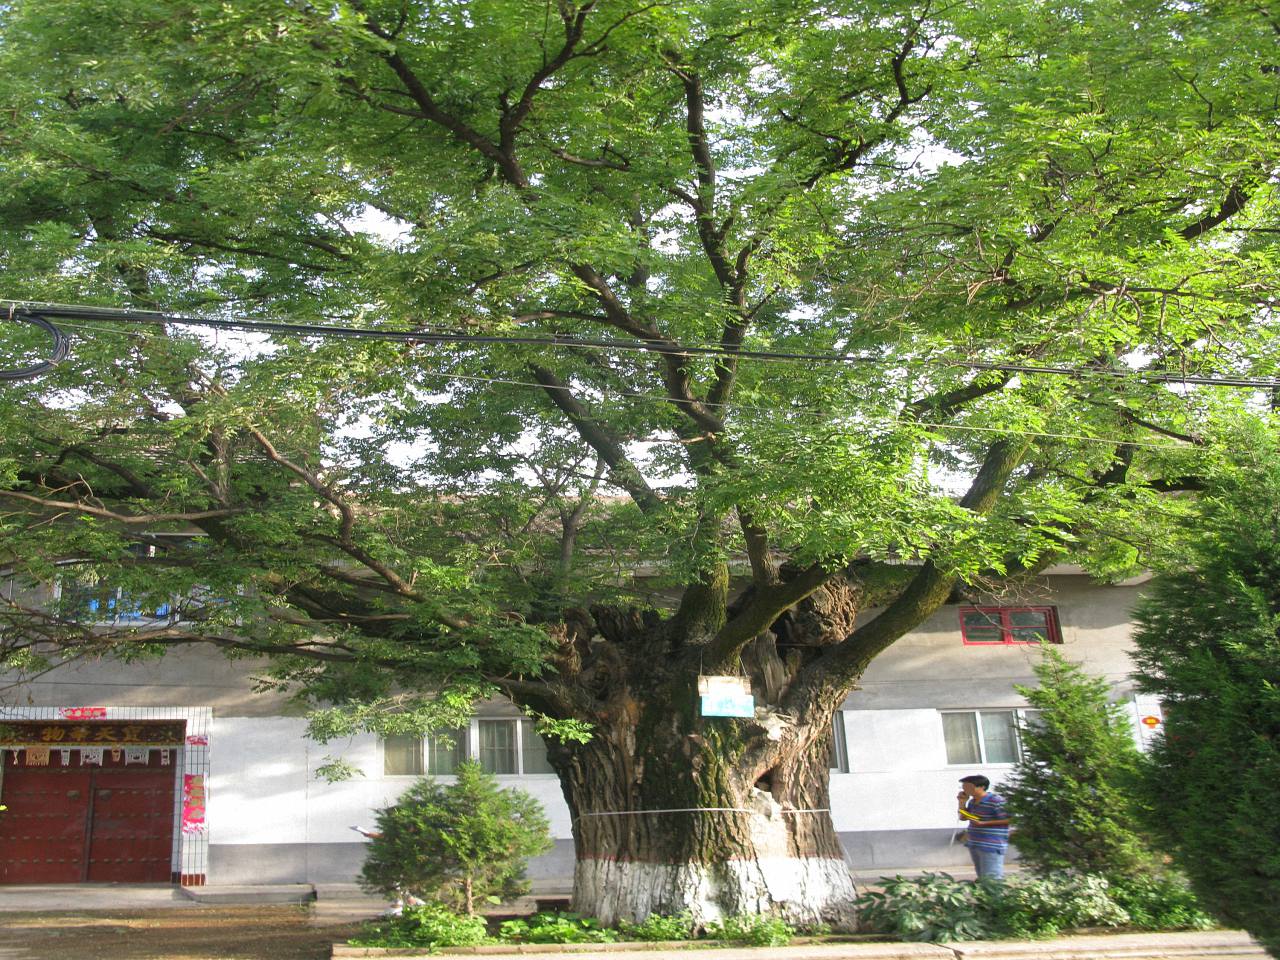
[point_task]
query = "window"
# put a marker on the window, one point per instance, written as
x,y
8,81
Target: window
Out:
x,y
447,749
503,747
82,596
497,746
86,599
984,736
839,747
402,756
1006,625
533,750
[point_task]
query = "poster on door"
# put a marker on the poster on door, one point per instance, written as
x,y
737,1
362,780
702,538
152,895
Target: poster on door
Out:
x,y
193,797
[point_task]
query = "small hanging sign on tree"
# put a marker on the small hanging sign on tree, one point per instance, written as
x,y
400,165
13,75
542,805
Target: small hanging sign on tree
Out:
x,y
726,697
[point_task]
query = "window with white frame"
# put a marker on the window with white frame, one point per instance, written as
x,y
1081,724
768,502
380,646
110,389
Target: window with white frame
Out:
x,y
839,746
984,736
501,746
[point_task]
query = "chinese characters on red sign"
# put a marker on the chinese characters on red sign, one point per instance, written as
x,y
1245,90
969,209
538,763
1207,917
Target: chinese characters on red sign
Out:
x,y
193,798
83,713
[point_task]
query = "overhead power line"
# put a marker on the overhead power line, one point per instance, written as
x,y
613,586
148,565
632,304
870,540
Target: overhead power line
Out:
x,y
58,352
770,412
42,313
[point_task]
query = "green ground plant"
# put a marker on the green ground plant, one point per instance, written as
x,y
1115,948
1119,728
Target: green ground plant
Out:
x,y
753,930
939,908
435,925
557,927
1162,902
428,925
659,926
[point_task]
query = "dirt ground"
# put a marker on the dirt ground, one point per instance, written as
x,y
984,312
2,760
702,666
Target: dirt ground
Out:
x,y
275,932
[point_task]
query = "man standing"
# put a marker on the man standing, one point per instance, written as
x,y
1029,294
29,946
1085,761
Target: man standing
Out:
x,y
988,835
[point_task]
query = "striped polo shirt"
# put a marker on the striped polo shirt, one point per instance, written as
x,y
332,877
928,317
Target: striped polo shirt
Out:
x,y
976,812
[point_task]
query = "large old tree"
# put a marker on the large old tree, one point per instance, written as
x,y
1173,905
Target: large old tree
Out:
x,y
1026,229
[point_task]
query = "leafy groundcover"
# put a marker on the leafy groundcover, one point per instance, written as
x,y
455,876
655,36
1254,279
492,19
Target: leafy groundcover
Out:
x,y
937,907
933,907
434,925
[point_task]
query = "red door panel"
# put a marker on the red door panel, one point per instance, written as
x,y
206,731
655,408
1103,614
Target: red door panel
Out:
x,y
43,833
74,824
131,827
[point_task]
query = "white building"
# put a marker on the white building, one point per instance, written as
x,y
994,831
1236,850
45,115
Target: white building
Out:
x,y
244,803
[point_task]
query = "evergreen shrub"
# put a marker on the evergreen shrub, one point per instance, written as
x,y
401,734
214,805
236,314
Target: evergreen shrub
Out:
x,y
458,843
1072,797
1208,645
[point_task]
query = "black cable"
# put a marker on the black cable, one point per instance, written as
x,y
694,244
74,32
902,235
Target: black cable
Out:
x,y
61,346
118,315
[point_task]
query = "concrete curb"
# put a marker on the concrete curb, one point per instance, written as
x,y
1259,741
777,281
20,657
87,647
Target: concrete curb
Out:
x,y
250,893
636,949
1144,946
1210,943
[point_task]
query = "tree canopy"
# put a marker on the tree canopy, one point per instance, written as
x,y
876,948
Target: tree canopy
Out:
x,y
989,248
916,188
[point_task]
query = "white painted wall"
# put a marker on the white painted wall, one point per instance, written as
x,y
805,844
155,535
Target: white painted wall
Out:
x,y
263,787
898,775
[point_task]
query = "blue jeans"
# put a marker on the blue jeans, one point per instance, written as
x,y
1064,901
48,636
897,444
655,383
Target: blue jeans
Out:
x,y
988,863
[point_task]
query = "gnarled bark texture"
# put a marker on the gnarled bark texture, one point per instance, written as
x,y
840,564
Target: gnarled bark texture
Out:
x,y
718,816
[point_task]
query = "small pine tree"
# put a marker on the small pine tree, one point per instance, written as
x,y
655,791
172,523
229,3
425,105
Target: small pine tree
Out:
x,y
1072,795
457,843
1208,644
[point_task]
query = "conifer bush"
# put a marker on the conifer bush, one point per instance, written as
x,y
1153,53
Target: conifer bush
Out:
x,y
1072,797
1207,644
457,843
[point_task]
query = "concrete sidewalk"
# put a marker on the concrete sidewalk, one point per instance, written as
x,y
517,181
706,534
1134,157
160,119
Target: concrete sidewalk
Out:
x,y
62,897
1145,946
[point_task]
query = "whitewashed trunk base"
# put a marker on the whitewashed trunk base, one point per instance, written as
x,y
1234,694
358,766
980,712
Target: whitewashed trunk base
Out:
x,y
800,891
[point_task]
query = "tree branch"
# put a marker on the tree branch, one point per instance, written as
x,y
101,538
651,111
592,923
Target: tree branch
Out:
x,y
622,471
764,607
125,519
1235,200
924,594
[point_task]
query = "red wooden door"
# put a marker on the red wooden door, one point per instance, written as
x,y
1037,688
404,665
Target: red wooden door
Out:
x,y
42,834
72,824
131,826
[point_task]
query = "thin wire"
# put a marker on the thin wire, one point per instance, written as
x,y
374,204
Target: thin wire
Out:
x,y
886,421
665,347
771,412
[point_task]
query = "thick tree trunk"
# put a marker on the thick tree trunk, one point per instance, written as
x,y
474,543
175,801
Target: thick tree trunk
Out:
x,y
673,812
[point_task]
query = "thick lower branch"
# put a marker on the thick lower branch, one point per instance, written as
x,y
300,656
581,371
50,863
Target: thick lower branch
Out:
x,y
760,612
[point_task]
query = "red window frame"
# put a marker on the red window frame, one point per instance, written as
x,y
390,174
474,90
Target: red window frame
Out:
x,y
1005,617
